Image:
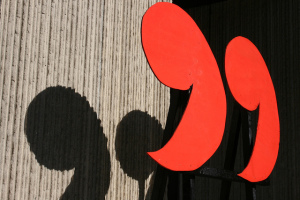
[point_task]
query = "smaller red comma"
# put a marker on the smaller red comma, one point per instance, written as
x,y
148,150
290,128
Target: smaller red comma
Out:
x,y
251,85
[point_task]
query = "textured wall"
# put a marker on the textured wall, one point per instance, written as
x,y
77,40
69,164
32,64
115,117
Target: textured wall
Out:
x,y
52,143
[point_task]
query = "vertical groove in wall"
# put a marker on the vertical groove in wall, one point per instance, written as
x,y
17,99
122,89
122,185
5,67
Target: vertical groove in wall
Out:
x,y
5,102
127,84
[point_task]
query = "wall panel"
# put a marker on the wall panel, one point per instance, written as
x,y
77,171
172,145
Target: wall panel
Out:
x,y
72,75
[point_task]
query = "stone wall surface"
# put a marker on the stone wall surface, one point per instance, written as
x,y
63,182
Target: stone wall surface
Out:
x,y
79,105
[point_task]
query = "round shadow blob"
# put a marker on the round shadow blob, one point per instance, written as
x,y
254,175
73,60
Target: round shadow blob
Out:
x,y
64,133
137,134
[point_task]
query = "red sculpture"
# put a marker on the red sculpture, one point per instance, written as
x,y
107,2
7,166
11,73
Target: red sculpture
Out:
x,y
180,57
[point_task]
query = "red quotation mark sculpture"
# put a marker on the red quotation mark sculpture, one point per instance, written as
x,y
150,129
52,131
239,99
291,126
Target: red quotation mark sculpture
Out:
x,y
180,57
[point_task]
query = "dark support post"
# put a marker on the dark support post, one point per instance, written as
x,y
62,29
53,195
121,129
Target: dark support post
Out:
x,y
178,101
181,184
231,149
248,143
188,184
176,186
161,175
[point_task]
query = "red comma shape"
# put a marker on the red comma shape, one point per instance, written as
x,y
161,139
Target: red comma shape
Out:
x,y
251,85
180,56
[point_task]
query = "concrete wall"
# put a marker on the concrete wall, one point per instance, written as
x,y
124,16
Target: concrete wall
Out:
x,y
79,104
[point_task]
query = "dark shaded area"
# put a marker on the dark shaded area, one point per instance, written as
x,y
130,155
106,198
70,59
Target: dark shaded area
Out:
x,y
194,3
175,182
181,185
137,134
274,27
64,133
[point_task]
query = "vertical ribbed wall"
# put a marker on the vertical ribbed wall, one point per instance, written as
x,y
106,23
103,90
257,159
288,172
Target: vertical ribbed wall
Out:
x,y
127,83
95,48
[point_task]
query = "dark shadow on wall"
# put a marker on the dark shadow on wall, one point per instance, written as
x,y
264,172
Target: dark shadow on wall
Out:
x,y
137,134
64,133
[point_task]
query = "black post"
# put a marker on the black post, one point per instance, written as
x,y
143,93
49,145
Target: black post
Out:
x,y
178,102
248,143
231,149
161,175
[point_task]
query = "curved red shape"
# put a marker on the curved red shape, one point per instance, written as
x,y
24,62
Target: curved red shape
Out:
x,y
251,85
180,56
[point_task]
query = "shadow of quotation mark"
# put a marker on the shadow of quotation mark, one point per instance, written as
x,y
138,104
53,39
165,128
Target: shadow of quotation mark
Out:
x,y
138,133
64,133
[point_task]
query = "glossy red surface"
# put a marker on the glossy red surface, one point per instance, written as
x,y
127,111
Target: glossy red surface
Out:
x,y
251,85
180,56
